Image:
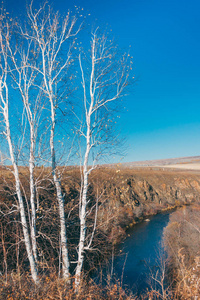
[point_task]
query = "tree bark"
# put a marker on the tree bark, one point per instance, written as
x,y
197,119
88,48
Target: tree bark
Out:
x,y
32,262
83,205
60,199
32,194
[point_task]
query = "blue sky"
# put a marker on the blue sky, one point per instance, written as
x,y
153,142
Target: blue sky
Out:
x,y
162,116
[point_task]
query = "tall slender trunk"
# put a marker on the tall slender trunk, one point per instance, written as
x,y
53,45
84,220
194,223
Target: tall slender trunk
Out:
x,y
24,223
32,193
60,199
82,216
82,230
83,196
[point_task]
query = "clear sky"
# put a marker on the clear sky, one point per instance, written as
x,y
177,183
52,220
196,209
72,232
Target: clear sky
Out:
x,y
163,117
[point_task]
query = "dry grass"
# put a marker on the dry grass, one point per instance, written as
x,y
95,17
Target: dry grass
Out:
x,y
52,288
125,197
182,241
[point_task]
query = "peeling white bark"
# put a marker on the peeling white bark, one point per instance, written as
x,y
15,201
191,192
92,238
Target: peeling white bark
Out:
x,y
33,267
60,199
24,80
4,108
50,36
4,105
82,213
33,193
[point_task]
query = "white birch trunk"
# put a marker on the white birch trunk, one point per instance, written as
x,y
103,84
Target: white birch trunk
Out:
x,y
60,199
83,197
32,194
24,80
50,35
82,230
83,207
6,53
32,262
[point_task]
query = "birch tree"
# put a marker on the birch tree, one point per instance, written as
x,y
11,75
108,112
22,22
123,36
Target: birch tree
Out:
x,y
55,39
5,83
104,80
24,80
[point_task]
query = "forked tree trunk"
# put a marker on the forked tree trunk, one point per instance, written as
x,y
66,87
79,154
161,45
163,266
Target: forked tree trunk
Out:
x,y
50,35
24,223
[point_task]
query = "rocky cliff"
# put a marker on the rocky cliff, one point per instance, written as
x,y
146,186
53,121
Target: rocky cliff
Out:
x,y
129,195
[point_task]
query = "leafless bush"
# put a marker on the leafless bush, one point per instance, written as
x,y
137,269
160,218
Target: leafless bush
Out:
x,y
182,239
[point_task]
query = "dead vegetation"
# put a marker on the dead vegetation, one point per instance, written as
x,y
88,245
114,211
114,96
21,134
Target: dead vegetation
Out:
x,y
53,288
182,240
124,197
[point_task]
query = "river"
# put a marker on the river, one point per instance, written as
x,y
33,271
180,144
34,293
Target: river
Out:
x,y
139,252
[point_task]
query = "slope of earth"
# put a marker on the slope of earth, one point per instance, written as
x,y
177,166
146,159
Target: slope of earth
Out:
x,y
123,196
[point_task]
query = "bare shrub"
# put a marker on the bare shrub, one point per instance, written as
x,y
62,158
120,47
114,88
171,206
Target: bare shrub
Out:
x,y
54,288
182,240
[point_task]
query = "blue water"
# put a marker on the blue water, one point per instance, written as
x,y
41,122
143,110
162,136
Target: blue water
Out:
x,y
140,252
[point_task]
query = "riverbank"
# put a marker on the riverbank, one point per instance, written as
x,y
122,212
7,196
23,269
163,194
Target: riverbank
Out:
x,y
182,240
134,194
